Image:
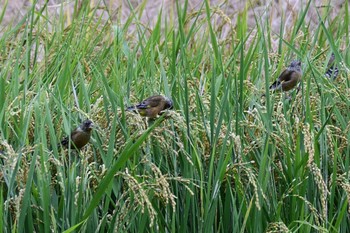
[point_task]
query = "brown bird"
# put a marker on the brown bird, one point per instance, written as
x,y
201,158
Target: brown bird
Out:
x,y
152,106
79,137
289,78
332,70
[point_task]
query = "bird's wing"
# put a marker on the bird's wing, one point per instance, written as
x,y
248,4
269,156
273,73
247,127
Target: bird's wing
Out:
x,y
74,134
332,69
142,105
65,141
332,72
285,75
149,103
291,82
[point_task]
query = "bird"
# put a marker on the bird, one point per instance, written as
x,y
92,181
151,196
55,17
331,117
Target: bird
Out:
x,y
332,70
152,106
289,78
79,137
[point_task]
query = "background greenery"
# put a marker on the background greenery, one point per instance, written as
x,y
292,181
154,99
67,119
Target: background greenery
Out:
x,y
226,159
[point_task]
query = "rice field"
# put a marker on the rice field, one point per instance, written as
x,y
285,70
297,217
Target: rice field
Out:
x,y
231,156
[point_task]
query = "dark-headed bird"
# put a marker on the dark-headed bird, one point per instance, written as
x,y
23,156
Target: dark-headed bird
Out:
x,y
332,70
289,78
152,106
79,137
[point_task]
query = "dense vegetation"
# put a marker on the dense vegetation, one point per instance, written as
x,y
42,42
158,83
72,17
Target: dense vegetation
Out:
x,y
230,157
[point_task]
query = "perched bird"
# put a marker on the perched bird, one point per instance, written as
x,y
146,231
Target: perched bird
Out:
x,y
332,70
289,78
79,137
152,106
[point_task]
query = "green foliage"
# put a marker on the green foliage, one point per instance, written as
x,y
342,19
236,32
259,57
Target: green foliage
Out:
x,y
230,157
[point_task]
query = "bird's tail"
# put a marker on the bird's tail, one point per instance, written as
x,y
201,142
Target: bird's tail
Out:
x,y
131,108
275,85
63,143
